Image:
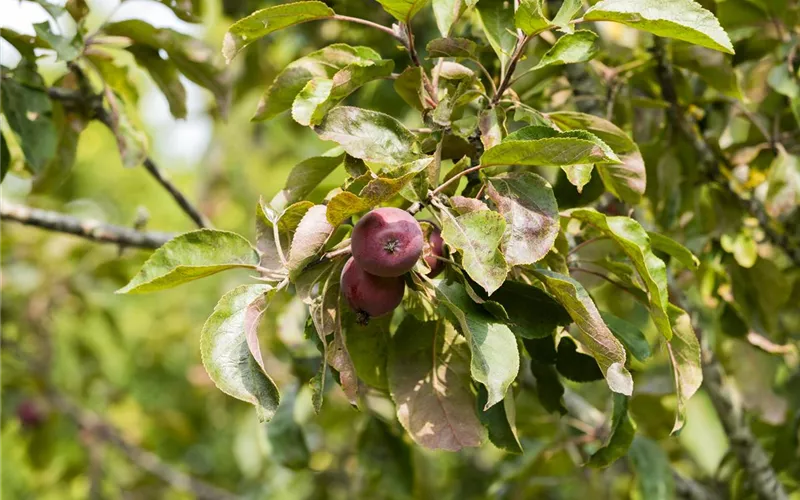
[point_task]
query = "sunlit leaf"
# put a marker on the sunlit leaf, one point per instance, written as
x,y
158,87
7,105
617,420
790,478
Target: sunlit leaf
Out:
x,y
606,349
674,249
403,10
477,235
530,17
536,145
309,239
497,18
571,48
227,357
265,21
192,256
305,176
429,379
682,19
684,353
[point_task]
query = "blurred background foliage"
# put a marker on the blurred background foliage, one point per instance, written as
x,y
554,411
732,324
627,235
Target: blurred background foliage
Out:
x,y
71,348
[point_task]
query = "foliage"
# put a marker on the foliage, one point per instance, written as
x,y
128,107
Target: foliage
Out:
x,y
602,202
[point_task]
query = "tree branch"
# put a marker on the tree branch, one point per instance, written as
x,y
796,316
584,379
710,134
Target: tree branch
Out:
x,y
91,422
712,158
92,104
89,229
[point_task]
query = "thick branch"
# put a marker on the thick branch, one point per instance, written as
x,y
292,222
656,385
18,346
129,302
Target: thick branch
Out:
x,y
710,157
91,422
89,229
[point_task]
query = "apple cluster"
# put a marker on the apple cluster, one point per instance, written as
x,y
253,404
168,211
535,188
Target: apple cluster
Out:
x,y
386,243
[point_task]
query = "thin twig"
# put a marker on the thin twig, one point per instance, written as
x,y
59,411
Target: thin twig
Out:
x,y
89,229
365,22
512,65
455,178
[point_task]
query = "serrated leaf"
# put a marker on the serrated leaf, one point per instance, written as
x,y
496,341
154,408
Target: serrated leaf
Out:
x,y
674,249
529,206
345,204
403,10
165,75
309,239
606,349
626,180
28,112
265,21
530,17
633,240
536,145
497,18
571,48
368,135
451,47
623,429
323,63
682,19
500,422
227,357
578,175
630,336
477,235
305,176
429,379
495,358
574,365
192,256
684,354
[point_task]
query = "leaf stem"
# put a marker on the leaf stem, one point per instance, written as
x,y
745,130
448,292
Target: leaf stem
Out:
x,y
358,20
455,178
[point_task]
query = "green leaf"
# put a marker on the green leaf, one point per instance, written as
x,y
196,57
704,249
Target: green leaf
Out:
x,y
574,365
368,135
530,17
536,146
309,239
674,249
184,9
477,236
713,67
69,126
529,206
623,429
192,256
286,440
532,312
305,176
495,358
5,157
565,14
323,63
497,18
29,114
346,204
429,379
653,470
571,48
578,175
287,222
265,21
631,337
549,389
410,88
368,346
626,180
25,44
66,50
165,75
633,240
682,19
385,464
228,358
403,10
447,12
783,191
491,124
606,349
684,354
320,95
190,56
451,47
500,422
